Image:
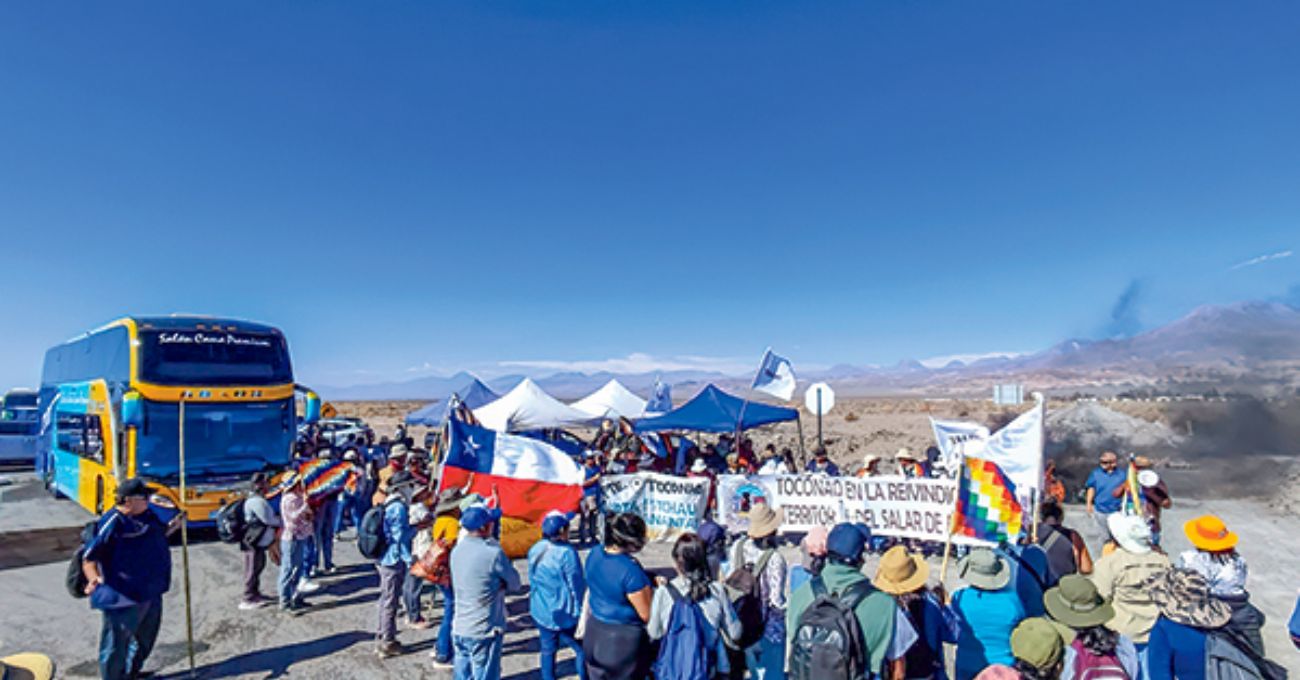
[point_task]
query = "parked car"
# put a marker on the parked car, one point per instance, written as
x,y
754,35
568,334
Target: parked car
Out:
x,y
337,430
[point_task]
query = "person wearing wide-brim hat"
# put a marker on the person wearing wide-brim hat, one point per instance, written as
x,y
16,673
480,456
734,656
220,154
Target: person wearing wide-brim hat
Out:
x,y
1038,648
26,666
904,576
1214,555
908,465
1187,612
870,466
1075,604
759,551
1121,576
988,610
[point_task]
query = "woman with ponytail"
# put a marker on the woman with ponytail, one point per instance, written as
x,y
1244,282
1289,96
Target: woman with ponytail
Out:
x,y
694,586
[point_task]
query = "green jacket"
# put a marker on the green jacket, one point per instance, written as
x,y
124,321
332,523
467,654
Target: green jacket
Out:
x,y
876,612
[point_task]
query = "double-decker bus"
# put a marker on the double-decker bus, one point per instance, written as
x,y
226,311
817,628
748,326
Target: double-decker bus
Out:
x,y
111,404
19,423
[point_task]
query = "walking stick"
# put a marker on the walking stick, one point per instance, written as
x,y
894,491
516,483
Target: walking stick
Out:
x,y
185,539
947,554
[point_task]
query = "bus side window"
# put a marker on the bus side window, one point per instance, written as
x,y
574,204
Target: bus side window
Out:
x,y
80,434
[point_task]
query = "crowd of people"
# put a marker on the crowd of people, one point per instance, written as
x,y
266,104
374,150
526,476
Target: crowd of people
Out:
x,y
732,606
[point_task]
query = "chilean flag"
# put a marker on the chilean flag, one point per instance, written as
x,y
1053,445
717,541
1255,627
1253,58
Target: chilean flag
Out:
x,y
532,477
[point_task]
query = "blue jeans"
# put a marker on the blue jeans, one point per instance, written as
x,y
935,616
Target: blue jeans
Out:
x,y
443,644
323,551
126,639
550,641
478,658
344,512
293,562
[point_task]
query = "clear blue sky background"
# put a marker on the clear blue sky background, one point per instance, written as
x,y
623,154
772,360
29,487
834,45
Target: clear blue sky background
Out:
x,y
448,185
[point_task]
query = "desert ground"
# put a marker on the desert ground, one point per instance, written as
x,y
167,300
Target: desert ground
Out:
x,y
334,638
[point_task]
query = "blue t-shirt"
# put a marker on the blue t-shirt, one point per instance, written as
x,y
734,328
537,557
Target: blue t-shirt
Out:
x,y
986,619
610,579
587,473
829,468
1105,484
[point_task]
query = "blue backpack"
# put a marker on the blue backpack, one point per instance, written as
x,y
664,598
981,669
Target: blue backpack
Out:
x,y
688,650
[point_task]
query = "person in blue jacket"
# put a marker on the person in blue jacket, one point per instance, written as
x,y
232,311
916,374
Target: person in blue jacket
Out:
x,y
556,587
128,567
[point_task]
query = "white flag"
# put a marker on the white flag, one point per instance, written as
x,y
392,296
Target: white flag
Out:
x,y
955,438
1018,450
775,376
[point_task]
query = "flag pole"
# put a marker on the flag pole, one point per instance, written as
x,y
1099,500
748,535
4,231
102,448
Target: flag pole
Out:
x,y
185,536
1037,494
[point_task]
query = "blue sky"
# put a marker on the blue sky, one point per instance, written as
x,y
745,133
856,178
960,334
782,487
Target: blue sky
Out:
x,y
416,187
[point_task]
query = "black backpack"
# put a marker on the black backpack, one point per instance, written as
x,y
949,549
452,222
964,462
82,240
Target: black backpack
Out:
x,y
746,593
371,541
231,526
75,579
828,642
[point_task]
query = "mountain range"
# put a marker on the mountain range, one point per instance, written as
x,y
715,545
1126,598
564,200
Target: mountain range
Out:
x,y
1251,347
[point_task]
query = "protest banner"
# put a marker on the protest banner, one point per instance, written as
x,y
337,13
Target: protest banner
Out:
x,y
669,505
891,506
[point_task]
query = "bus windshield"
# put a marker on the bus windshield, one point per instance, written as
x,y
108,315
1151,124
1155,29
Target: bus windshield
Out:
x,y
220,439
189,357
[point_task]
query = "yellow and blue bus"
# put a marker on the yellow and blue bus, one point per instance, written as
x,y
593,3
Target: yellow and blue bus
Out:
x,y
111,402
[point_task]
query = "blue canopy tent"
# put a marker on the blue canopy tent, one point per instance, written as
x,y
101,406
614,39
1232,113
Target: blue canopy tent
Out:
x,y
474,394
713,410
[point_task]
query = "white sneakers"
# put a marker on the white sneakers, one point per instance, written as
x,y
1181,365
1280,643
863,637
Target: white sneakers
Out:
x,y
308,586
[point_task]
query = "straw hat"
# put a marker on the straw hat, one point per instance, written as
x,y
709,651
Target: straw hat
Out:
x,y
1076,603
1183,596
448,500
1210,534
397,451
1037,642
699,465
901,572
904,453
869,460
29,666
984,569
764,521
1130,532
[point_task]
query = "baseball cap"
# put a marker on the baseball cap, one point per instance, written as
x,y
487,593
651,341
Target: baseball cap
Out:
x,y
478,516
554,522
848,540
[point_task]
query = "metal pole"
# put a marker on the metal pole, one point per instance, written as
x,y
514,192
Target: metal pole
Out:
x,y
819,420
803,457
185,537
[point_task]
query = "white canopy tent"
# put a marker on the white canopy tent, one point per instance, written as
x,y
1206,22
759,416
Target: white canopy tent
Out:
x,y
529,407
611,401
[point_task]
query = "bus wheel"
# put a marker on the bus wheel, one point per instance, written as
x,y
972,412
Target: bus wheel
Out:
x,y
99,495
50,486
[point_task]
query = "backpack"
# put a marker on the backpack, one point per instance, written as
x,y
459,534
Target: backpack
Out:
x,y
434,565
1225,659
747,596
371,541
1088,666
689,647
828,642
231,526
75,580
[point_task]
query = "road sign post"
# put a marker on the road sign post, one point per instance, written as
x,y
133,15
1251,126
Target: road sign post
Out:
x,y
820,399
